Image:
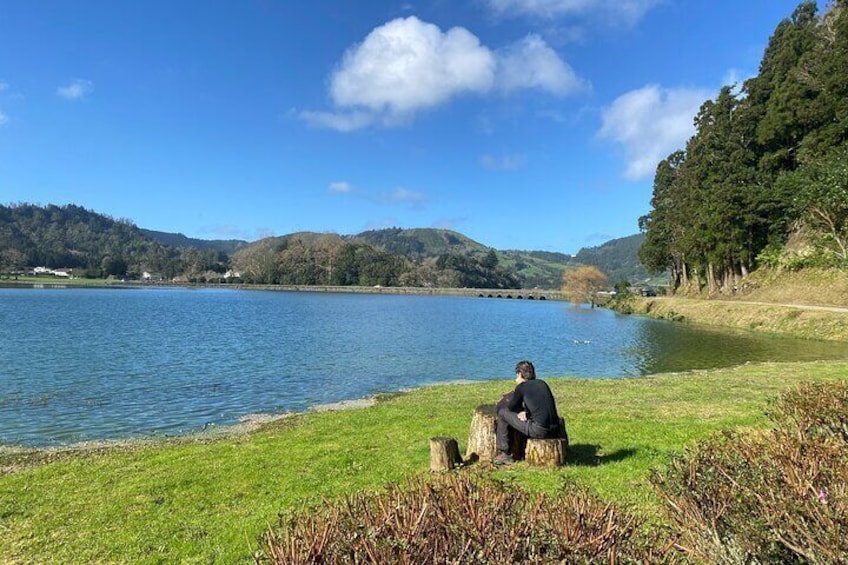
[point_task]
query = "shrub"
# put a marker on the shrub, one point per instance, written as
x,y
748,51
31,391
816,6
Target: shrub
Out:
x,y
459,519
773,497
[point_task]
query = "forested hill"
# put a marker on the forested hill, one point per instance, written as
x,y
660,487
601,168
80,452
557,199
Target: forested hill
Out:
x,y
94,245
424,257
73,237
421,243
392,257
425,246
767,165
227,246
618,258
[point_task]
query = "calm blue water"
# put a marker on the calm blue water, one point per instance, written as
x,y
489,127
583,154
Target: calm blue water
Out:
x,y
84,364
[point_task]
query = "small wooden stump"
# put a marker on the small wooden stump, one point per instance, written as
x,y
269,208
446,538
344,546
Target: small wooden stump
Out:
x,y
549,452
444,454
482,438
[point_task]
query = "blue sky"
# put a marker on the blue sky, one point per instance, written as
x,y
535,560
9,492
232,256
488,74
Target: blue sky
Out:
x,y
524,124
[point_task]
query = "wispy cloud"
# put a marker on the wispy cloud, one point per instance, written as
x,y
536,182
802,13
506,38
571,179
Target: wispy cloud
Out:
x,y
407,66
649,123
615,12
340,187
76,90
402,195
3,117
510,162
397,196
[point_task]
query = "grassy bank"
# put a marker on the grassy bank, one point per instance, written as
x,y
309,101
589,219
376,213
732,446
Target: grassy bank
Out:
x,y
769,318
817,287
206,500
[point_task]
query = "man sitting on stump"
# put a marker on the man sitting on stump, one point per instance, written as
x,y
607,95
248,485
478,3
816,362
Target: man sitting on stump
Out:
x,y
530,409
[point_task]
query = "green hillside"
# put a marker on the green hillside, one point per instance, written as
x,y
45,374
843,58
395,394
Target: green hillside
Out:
x,y
72,237
531,268
618,258
228,246
419,243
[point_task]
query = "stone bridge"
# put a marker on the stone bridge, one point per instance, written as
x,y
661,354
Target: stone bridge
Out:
x,y
502,293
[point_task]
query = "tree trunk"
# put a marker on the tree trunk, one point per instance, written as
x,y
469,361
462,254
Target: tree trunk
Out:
x,y
711,279
444,454
547,452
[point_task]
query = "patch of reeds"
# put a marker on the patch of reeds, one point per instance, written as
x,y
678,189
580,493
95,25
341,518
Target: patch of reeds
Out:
x,y
461,518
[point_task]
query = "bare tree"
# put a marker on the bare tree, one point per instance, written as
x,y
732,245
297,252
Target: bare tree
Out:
x,y
582,284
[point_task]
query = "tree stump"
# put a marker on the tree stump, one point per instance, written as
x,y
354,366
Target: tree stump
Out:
x,y
548,452
444,454
482,438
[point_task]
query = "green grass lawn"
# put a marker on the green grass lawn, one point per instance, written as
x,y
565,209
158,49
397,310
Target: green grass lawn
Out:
x,y
207,500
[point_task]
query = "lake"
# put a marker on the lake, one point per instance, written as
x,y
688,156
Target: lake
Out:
x,y
84,364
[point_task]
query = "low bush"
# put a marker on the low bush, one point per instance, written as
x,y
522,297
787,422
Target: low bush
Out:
x,y
778,496
458,518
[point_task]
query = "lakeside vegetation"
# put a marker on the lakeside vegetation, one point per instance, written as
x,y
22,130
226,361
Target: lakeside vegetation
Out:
x,y
207,499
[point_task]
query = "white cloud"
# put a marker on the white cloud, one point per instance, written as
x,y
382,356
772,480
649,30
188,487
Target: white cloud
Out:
x,y
3,118
510,162
3,86
650,123
626,12
76,90
402,195
531,63
407,66
340,187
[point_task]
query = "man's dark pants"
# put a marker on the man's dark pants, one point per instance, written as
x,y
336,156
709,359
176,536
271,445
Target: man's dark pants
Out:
x,y
507,419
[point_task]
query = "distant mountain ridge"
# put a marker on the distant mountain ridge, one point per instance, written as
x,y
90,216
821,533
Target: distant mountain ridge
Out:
x,y
228,246
72,236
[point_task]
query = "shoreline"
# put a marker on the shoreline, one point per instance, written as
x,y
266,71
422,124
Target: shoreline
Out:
x,y
504,293
246,424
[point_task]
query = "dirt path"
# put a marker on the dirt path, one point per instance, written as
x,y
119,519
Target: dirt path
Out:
x,y
838,309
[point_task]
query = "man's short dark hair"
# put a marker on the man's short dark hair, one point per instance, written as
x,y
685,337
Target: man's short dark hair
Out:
x,y
526,370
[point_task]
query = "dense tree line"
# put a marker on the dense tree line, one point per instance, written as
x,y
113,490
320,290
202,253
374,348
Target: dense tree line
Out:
x,y
767,161
328,259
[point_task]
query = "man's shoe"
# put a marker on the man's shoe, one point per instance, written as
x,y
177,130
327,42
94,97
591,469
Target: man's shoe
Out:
x,y
503,459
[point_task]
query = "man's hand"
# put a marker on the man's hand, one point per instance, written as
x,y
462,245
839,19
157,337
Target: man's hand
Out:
x,y
522,416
